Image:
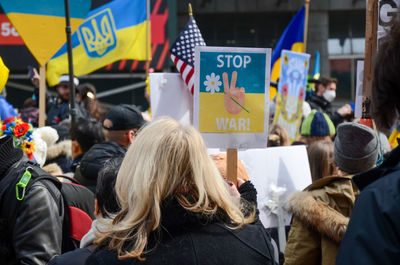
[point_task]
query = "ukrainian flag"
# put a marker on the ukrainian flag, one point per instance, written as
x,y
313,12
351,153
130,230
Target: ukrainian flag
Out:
x,y
41,23
114,31
291,39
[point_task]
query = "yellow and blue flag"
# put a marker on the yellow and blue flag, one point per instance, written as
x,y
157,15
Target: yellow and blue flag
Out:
x,y
41,23
3,74
292,39
114,31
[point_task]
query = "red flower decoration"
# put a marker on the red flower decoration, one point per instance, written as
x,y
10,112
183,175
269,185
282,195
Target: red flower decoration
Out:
x,y
21,129
285,90
301,94
3,128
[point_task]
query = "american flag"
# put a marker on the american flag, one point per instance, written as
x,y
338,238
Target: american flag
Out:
x,y
182,52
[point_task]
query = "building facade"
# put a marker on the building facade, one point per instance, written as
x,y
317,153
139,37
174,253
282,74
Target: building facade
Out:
x,y
336,29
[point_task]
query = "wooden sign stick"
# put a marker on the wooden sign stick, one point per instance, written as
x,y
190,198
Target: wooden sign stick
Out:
x,y
231,165
42,96
371,29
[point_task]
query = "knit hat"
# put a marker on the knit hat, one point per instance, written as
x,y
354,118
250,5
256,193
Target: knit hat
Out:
x,y
356,147
317,124
8,154
123,117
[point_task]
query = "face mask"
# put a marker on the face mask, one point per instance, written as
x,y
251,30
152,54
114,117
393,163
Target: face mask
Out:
x,y
329,95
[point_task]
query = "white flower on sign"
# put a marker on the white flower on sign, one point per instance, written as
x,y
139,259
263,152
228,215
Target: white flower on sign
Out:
x,y
212,83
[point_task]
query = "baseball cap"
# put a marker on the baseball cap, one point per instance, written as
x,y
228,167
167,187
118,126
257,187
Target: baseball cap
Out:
x,y
123,117
64,79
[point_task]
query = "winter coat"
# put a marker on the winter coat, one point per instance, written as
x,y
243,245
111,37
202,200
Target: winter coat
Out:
x,y
79,255
61,154
373,235
322,105
187,238
36,233
93,161
320,217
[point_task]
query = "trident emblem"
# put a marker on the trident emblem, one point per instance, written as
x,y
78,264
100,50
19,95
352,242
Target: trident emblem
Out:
x,y
97,34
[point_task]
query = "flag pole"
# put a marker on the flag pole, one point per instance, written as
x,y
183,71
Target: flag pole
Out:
x,y
42,95
148,39
190,10
307,6
70,64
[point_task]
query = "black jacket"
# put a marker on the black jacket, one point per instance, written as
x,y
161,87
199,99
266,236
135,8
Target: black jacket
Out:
x,y
57,109
93,161
36,233
186,238
373,234
322,105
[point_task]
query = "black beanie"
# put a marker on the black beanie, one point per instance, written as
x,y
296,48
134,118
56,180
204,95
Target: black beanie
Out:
x,y
8,154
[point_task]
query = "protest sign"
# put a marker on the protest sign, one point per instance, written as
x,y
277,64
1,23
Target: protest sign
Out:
x,y
169,96
231,96
387,10
272,170
291,91
359,89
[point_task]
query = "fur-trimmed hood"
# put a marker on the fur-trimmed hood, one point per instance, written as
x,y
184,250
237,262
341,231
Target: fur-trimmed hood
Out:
x,y
61,148
325,206
318,215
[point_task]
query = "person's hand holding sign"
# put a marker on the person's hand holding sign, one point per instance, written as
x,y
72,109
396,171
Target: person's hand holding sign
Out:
x,y
234,99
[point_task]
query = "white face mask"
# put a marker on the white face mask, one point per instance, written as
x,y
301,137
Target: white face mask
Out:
x,y
329,95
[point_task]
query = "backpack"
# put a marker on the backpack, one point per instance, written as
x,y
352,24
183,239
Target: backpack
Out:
x,y
78,205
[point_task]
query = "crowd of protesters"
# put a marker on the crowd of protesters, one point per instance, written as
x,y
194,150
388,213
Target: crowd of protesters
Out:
x,y
115,188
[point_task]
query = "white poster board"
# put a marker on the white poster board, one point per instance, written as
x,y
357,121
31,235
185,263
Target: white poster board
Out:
x,y
169,96
387,10
231,96
359,89
271,168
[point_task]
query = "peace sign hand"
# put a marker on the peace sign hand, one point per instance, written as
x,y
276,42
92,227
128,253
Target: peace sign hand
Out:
x,y
234,97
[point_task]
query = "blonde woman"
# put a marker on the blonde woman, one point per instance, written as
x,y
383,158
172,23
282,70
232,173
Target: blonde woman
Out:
x,y
176,208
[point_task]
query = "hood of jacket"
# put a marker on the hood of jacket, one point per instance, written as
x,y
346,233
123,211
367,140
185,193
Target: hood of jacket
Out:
x,y
94,160
316,206
390,164
62,148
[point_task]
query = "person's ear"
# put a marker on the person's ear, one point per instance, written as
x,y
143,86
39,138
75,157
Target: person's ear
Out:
x,y
76,148
131,136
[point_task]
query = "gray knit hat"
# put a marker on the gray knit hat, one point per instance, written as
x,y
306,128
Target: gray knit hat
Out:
x,y
356,147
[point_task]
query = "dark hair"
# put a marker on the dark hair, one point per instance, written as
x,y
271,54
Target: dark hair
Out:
x,y
92,105
325,81
386,81
105,188
87,133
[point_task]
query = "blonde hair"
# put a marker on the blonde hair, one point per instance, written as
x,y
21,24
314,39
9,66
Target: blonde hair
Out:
x,y
278,136
320,156
166,160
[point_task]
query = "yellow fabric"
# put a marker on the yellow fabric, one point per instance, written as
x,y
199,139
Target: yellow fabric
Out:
x,y
43,35
393,138
131,44
3,74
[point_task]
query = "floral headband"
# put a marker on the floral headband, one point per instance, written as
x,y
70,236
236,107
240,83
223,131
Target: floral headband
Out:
x,y
21,133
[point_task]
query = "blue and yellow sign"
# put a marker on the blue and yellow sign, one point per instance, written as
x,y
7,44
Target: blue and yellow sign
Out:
x,y
291,91
231,92
114,31
41,23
